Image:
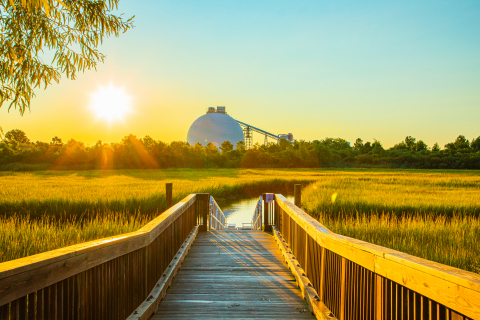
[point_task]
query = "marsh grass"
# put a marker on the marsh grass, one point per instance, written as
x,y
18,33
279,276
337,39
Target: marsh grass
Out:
x,y
21,237
433,215
74,193
453,241
43,211
395,193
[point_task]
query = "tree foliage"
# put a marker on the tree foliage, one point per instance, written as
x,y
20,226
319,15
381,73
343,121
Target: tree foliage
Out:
x,y
70,30
226,146
16,136
17,152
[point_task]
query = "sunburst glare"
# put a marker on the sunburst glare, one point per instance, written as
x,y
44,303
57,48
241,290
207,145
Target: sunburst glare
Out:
x,y
110,103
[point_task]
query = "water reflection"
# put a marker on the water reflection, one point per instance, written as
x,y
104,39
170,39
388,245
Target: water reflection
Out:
x,y
242,211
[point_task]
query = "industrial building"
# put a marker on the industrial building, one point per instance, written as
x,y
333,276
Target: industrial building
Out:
x,y
216,126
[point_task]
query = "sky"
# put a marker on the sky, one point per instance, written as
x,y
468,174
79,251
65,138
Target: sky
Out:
x,y
350,69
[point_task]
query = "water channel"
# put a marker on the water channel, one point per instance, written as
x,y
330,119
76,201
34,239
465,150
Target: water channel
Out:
x,y
242,211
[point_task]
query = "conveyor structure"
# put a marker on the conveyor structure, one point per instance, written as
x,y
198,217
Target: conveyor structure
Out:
x,y
248,134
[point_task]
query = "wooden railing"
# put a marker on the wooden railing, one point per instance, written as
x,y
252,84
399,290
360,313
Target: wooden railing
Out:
x,y
257,216
358,280
217,218
102,279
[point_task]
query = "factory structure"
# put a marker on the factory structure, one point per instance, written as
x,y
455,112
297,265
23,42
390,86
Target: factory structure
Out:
x,y
217,126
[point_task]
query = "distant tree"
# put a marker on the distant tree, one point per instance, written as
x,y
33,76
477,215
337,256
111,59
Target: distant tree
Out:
x,y
284,144
72,29
324,155
421,146
367,147
56,141
358,144
335,143
211,148
151,145
461,143
400,146
16,135
272,147
133,154
450,147
226,146
72,153
410,142
198,155
179,153
240,146
41,144
256,158
377,147
475,145
149,142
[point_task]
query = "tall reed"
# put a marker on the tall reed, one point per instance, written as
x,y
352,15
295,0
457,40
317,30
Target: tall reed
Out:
x,y
21,236
453,241
428,215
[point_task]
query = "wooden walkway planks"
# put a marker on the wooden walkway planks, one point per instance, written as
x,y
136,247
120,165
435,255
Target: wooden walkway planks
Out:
x,y
233,274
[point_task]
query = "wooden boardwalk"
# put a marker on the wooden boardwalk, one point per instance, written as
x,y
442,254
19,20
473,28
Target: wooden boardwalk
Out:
x,y
233,274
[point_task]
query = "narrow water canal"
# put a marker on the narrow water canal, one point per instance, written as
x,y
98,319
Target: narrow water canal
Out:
x,y
242,211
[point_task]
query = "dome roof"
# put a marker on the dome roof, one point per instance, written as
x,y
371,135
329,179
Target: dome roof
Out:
x,y
215,128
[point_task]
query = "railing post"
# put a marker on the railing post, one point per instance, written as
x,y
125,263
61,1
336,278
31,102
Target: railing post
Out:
x,y
276,213
298,194
343,289
323,260
169,194
203,205
211,207
266,214
379,298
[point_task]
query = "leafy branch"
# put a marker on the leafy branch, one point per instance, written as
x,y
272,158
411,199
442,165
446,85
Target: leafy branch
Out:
x,y
28,27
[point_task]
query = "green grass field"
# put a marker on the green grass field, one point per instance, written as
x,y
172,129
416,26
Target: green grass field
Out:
x,y
429,214
396,192
60,193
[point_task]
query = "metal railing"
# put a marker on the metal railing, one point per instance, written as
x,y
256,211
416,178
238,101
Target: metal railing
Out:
x,y
257,216
359,280
217,218
102,279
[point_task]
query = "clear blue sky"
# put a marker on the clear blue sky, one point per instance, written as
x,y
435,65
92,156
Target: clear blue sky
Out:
x,y
349,69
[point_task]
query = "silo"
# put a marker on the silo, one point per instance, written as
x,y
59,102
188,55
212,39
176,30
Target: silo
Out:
x,y
215,127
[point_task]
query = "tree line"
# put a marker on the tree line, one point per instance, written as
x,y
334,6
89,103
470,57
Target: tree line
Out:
x,y
17,152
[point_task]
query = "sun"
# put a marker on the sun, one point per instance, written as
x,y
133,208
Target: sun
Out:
x,y
110,103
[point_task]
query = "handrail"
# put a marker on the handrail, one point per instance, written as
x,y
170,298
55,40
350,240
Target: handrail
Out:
x,y
101,279
357,279
257,216
217,217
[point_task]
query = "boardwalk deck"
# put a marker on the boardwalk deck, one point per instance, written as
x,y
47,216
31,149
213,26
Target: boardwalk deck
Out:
x,y
233,274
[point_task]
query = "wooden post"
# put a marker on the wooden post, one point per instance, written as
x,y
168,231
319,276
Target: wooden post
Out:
x,y
203,201
266,214
298,194
168,187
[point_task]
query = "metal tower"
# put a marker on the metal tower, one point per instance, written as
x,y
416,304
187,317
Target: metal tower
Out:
x,y
248,134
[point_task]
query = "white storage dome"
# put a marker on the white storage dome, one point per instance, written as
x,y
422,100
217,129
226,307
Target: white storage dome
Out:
x,y
216,128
